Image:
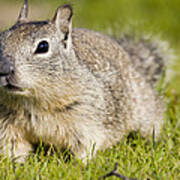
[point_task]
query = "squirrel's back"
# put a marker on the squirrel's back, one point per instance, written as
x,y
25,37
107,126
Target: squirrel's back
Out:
x,y
126,90
149,57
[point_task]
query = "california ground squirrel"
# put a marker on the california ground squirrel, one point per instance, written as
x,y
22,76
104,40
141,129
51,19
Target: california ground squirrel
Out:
x,y
74,88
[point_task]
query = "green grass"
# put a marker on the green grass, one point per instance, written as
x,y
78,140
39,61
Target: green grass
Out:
x,y
136,157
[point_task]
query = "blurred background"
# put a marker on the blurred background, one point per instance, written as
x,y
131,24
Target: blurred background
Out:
x,y
156,17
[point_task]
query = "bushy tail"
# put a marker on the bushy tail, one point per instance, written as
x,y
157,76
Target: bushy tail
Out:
x,y
150,58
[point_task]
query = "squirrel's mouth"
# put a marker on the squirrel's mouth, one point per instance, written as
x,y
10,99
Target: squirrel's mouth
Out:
x,y
8,83
11,87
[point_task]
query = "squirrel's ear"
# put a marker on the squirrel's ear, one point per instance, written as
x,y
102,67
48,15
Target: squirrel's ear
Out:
x,y
23,13
62,20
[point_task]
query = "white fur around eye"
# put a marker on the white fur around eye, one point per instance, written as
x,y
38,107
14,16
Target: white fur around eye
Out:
x,y
46,54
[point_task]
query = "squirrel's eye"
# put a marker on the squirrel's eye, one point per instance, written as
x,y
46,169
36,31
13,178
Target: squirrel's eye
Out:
x,y
42,47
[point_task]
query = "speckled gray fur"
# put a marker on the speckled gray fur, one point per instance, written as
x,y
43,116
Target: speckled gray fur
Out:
x,y
85,91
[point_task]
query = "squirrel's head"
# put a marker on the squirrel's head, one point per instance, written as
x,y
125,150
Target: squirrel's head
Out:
x,y
34,54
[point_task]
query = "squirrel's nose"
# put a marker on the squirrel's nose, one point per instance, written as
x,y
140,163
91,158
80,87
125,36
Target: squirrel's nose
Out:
x,y
6,68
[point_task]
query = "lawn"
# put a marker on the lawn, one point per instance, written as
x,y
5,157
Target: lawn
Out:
x,y
135,157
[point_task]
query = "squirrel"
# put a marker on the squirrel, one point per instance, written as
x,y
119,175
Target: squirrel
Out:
x,y
74,88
